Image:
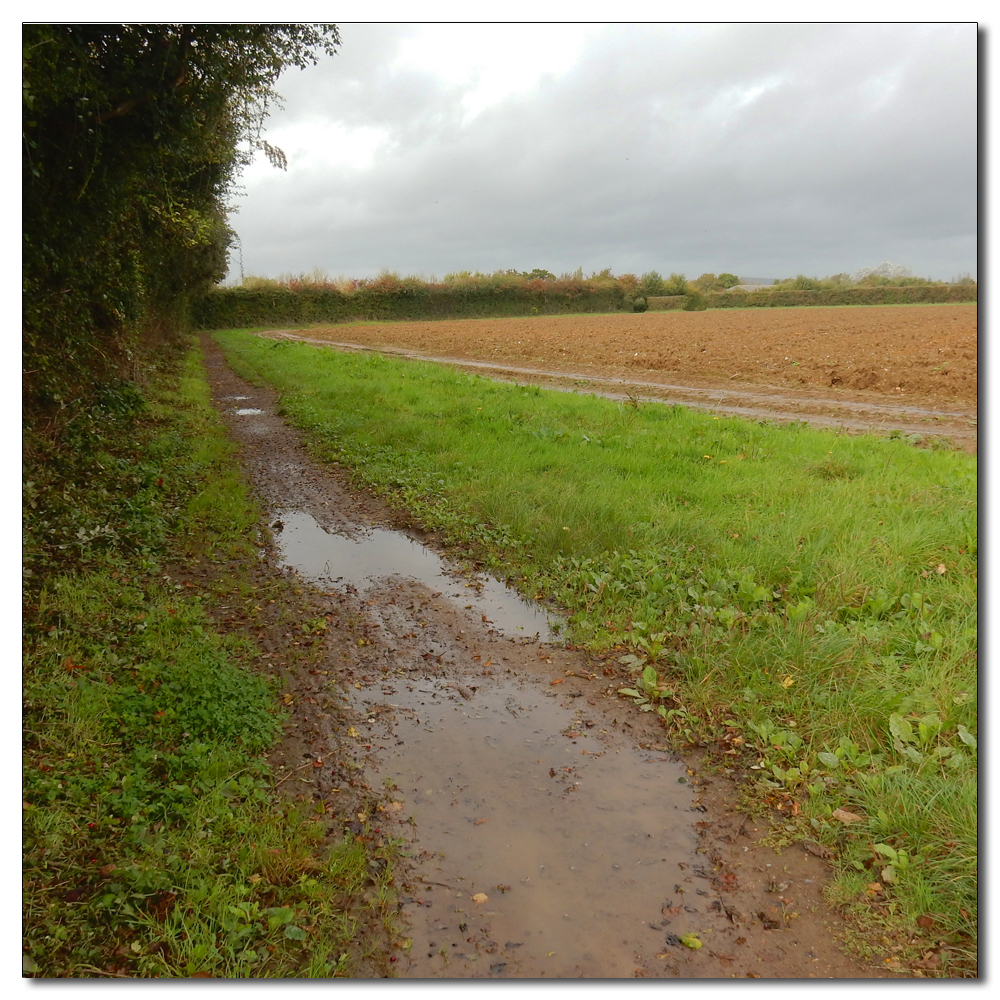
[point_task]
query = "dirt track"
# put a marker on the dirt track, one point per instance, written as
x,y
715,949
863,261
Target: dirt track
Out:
x,y
912,369
594,860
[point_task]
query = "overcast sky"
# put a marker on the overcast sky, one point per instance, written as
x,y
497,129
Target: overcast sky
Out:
x,y
763,150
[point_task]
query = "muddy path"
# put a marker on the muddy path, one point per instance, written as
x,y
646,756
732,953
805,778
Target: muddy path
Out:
x,y
545,830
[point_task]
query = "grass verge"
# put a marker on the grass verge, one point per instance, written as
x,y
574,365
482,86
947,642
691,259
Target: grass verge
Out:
x,y
155,843
801,602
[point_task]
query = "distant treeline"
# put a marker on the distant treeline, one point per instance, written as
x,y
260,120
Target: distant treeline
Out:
x,y
317,299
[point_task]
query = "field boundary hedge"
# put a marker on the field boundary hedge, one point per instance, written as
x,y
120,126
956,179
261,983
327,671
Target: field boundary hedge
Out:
x,y
229,308
885,295
226,308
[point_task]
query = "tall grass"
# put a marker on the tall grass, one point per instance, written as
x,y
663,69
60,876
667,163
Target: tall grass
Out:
x,y
803,598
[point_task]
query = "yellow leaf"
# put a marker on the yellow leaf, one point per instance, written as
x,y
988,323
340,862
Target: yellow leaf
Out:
x,y
787,681
480,897
353,733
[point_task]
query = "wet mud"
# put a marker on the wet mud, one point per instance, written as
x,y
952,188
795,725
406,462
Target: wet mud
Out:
x,y
546,832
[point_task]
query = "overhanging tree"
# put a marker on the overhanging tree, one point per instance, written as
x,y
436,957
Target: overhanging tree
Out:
x,y
133,136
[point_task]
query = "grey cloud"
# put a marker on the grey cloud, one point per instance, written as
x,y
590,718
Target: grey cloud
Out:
x,y
855,143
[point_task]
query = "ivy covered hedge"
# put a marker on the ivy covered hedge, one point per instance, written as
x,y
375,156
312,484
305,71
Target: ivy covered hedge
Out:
x,y
132,137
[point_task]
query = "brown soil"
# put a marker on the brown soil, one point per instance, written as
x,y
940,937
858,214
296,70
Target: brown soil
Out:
x,y
401,667
908,368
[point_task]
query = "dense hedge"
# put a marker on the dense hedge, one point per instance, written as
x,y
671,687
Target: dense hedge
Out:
x,y
224,308
662,302
877,296
133,135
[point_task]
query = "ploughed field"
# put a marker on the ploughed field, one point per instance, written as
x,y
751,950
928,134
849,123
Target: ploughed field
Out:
x,y
919,355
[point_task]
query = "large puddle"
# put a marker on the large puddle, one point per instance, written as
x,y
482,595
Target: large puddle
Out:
x,y
544,851
544,843
376,554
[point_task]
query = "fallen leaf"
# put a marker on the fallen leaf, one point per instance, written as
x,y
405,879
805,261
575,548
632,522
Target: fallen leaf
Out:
x,y
558,680
925,921
107,869
941,569
787,681
846,817
691,941
480,897
253,879
818,849
478,821
352,732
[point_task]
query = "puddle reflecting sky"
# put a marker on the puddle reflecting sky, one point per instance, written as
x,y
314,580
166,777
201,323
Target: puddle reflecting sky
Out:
x,y
592,846
332,559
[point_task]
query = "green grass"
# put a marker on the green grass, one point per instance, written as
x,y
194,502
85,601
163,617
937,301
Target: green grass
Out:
x,y
804,598
155,844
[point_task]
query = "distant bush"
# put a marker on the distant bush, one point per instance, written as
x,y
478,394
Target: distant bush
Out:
x,y
652,283
695,302
676,284
660,303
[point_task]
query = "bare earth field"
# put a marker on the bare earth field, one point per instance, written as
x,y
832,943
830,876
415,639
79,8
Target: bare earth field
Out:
x,y
882,368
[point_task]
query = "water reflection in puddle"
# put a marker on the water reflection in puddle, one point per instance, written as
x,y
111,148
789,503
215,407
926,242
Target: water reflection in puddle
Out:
x,y
584,852
248,411
331,559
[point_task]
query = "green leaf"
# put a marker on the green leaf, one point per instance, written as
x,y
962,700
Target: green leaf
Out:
x,y
629,692
649,679
887,852
967,738
691,941
900,728
279,916
295,933
829,759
